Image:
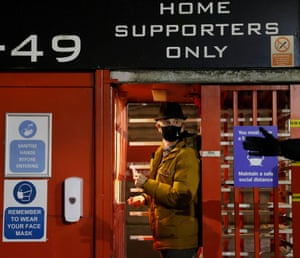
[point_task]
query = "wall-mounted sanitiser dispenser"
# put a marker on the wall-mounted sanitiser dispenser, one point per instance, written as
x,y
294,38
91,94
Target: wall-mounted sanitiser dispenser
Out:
x,y
73,194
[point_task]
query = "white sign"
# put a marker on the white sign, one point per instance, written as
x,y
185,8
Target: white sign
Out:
x,y
28,145
25,211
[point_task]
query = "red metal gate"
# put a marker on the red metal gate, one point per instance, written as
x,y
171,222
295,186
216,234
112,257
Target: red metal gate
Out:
x,y
249,222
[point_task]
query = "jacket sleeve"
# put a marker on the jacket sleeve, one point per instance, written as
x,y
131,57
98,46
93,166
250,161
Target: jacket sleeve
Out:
x,y
290,149
183,188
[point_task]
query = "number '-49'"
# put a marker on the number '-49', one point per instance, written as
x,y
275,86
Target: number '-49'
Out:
x,y
29,47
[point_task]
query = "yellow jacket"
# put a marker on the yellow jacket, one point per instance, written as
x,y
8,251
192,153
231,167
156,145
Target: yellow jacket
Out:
x,y
171,193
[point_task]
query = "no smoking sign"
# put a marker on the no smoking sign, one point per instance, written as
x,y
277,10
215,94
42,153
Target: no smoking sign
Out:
x,y
282,51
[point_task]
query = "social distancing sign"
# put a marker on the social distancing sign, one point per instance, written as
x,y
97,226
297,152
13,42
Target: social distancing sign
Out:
x,y
253,170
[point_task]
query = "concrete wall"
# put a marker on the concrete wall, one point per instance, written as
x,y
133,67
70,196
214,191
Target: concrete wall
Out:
x,y
209,76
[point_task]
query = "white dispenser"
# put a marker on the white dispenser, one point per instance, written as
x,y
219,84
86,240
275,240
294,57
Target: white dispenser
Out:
x,y
73,199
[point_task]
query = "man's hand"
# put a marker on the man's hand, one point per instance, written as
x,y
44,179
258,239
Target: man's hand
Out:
x,y
262,146
140,180
136,201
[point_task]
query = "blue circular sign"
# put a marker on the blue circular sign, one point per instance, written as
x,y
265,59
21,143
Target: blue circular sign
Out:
x,y
27,129
24,192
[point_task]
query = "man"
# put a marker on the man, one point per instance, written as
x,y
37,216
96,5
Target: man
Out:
x,y
269,146
171,189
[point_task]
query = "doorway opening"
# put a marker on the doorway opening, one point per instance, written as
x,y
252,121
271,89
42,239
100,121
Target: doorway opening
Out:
x,y
254,222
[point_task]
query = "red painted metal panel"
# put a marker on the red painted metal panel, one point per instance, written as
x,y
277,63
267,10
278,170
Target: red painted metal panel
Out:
x,y
103,166
72,148
211,181
140,153
44,79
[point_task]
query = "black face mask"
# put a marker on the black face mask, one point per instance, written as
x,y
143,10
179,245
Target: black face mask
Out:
x,y
171,133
